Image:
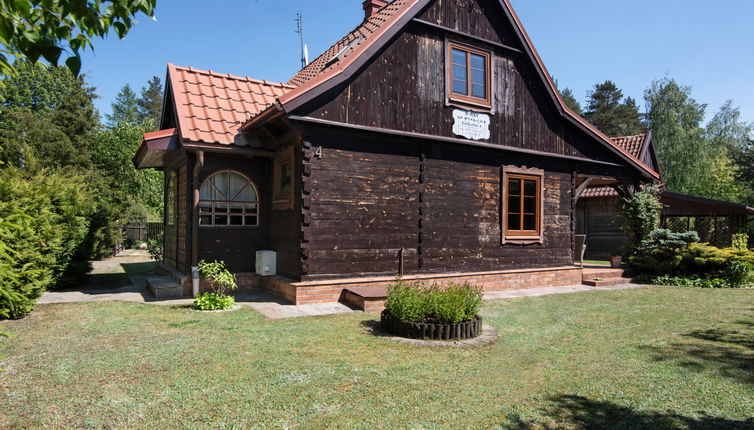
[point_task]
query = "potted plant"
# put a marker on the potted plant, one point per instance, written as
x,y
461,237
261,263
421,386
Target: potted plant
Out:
x,y
419,312
615,260
221,281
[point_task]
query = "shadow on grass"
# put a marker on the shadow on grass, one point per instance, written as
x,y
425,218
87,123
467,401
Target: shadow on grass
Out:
x,y
571,411
111,281
731,352
374,328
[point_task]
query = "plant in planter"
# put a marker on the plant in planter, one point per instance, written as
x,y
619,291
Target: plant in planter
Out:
x,y
221,282
616,259
416,311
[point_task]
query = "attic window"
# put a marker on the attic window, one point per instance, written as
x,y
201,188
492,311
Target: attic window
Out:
x,y
468,75
350,46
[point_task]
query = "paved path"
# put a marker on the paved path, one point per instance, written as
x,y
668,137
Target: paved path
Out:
x,y
546,291
269,306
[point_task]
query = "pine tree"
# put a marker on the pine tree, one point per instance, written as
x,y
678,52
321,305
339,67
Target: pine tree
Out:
x,y
150,101
571,101
610,113
125,108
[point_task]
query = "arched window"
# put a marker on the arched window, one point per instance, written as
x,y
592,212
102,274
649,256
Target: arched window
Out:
x,y
228,198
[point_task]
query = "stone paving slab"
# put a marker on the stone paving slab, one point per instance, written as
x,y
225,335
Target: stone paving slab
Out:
x,y
545,291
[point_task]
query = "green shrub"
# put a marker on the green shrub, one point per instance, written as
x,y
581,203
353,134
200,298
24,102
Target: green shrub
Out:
x,y
737,273
740,241
682,281
413,302
221,281
156,248
44,226
661,252
214,302
642,216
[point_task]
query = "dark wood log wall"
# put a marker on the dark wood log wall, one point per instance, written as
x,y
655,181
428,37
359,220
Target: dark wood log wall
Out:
x,y
601,221
369,196
284,227
403,88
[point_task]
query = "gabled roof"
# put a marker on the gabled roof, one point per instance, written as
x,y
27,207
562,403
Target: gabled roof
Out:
x,y
210,107
377,31
636,145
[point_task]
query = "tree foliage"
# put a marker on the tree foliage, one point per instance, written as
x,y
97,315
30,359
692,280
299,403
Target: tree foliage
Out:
x,y
150,102
571,102
50,29
610,113
125,108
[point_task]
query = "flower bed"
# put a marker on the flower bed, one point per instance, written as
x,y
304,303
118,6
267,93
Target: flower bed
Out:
x,y
441,313
431,330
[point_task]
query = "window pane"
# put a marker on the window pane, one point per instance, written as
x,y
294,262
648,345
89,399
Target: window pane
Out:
x,y
530,205
514,222
236,208
459,72
205,208
478,91
530,222
460,87
205,220
221,220
459,57
478,62
208,192
478,77
530,187
239,191
221,183
251,220
514,204
251,209
285,179
236,220
221,207
514,187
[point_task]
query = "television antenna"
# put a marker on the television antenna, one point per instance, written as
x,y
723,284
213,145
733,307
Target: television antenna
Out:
x,y
304,49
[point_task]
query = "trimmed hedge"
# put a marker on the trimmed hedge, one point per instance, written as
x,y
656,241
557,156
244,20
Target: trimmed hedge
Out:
x,y
413,302
44,227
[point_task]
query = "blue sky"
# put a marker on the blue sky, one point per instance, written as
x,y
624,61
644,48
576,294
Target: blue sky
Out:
x,y
707,45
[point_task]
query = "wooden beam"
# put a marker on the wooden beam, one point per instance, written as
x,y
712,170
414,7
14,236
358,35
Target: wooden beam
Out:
x,y
582,187
444,139
198,164
466,35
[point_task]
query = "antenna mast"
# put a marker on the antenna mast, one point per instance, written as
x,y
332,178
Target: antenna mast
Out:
x,y
304,49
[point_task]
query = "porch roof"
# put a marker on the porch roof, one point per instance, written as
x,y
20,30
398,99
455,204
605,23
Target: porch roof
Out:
x,y
154,147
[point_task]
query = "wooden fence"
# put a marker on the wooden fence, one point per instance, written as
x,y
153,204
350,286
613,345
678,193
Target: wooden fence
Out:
x,y
143,231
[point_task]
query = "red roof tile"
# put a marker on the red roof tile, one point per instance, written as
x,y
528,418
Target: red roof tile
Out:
x,y
634,145
211,106
359,35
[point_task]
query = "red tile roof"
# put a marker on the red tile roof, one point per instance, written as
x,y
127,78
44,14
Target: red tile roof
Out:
x,y
355,38
211,106
634,145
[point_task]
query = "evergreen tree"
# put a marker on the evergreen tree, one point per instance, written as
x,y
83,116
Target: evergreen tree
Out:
x,y
610,113
150,102
125,108
571,101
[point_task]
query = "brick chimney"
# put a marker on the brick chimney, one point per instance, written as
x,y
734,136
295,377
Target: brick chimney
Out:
x,y
372,6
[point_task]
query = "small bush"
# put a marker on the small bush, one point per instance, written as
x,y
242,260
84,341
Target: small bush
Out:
x,y
214,302
221,281
740,241
737,273
661,252
156,249
452,304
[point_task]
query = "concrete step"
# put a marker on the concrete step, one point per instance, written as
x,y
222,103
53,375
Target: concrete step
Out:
x,y
590,274
164,287
368,299
604,282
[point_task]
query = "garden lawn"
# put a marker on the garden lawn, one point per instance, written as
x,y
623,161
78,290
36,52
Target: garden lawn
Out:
x,y
652,358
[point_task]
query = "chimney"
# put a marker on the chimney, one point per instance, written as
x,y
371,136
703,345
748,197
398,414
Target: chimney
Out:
x,y
372,6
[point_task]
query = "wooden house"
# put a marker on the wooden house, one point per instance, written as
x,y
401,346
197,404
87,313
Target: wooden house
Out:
x,y
429,142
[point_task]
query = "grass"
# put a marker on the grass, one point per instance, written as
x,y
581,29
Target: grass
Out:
x,y
651,358
116,275
597,262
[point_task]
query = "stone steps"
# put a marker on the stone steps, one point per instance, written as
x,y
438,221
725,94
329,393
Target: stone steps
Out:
x,y
604,277
368,299
164,287
606,282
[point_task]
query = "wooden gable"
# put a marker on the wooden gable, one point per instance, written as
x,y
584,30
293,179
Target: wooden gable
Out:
x,y
403,86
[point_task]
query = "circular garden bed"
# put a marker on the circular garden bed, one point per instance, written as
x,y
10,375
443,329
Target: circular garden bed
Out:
x,y
431,330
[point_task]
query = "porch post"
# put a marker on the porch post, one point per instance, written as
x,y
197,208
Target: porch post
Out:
x,y
198,164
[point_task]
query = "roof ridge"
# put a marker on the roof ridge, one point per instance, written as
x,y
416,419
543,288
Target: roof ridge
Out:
x,y
234,77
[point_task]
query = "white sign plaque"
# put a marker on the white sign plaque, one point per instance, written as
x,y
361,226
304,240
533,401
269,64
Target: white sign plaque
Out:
x,y
471,125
